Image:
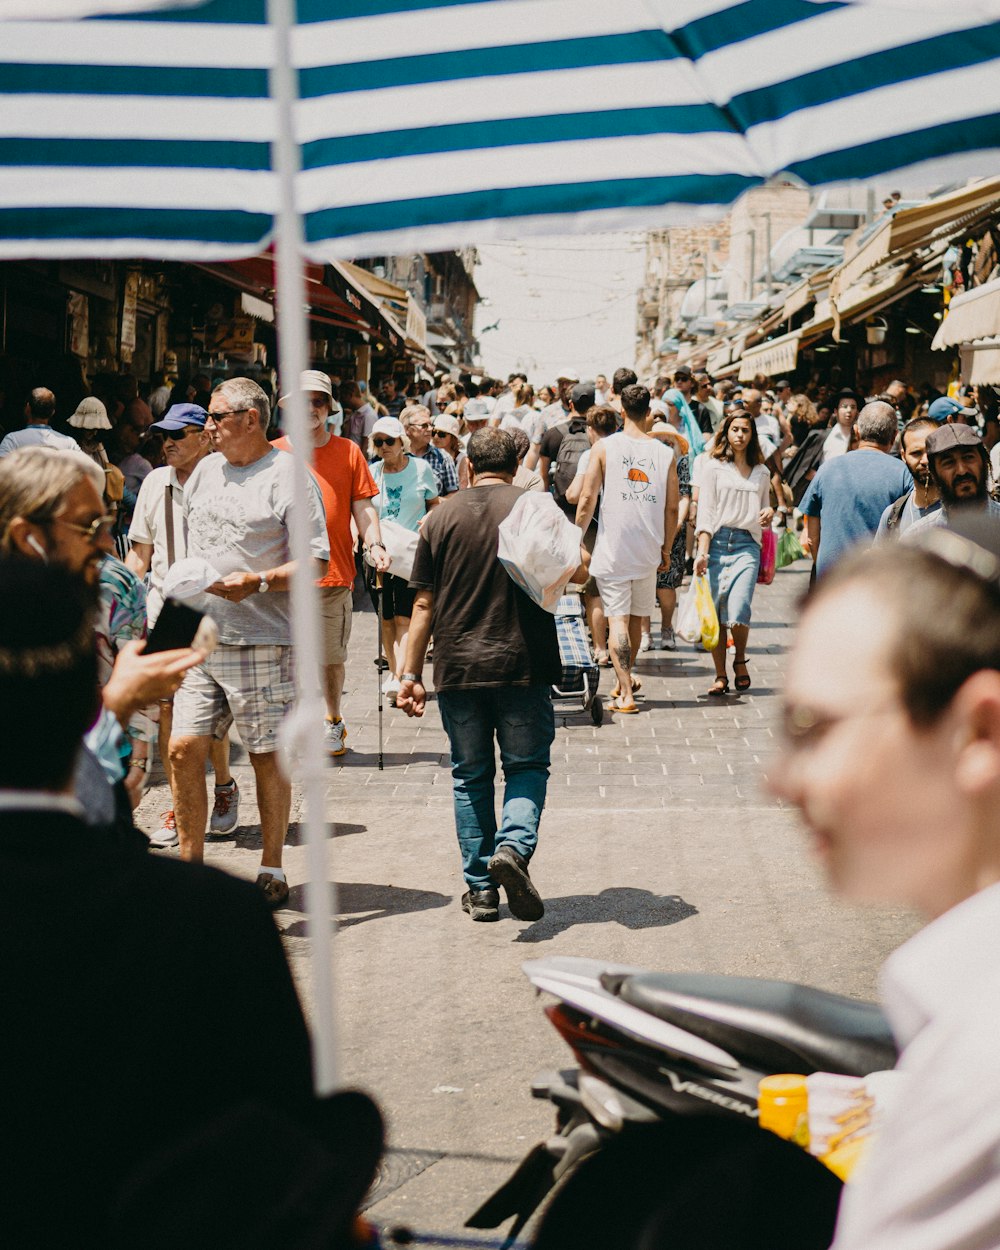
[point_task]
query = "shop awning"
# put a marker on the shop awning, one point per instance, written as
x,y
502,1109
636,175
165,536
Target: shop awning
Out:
x,y
973,315
981,362
772,358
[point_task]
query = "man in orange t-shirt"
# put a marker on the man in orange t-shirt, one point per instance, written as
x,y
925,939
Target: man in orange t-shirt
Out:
x,y
346,485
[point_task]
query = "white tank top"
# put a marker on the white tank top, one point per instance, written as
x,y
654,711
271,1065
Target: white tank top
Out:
x,y
630,523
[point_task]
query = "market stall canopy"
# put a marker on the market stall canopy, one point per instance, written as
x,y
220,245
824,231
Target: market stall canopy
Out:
x,y
423,125
772,359
973,315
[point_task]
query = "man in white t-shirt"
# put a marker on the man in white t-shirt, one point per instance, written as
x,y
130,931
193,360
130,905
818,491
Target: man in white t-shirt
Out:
x,y
238,507
157,539
636,479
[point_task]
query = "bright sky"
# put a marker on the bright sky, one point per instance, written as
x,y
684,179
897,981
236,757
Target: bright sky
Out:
x,y
563,302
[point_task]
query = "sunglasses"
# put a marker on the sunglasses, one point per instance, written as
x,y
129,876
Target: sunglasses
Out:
x,y
383,442
176,435
216,417
441,434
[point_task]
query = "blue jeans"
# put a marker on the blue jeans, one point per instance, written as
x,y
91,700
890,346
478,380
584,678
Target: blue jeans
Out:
x,y
522,721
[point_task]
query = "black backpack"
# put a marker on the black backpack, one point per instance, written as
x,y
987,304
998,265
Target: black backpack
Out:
x,y
572,446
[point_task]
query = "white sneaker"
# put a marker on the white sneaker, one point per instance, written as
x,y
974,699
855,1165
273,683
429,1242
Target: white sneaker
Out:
x,y
225,810
335,736
391,689
166,836
645,642
667,640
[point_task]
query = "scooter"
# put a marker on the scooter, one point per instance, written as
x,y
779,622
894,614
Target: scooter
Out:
x,y
658,1123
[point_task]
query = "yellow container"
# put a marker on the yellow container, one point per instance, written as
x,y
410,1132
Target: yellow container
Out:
x,y
783,1107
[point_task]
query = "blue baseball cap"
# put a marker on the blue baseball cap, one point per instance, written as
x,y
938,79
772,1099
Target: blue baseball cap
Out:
x,y
180,415
943,408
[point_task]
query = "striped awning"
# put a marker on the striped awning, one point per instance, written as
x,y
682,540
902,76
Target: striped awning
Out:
x,y
426,124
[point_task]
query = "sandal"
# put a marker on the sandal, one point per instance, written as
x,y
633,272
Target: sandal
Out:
x,y
602,659
741,683
624,709
616,688
719,687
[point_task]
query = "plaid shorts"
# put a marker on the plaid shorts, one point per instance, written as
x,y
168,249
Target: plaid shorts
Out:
x,y
251,686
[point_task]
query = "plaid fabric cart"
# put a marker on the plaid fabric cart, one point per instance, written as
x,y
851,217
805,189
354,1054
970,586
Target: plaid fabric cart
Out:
x,y
580,675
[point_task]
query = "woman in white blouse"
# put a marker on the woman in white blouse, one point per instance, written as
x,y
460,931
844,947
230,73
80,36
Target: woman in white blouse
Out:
x,y
733,508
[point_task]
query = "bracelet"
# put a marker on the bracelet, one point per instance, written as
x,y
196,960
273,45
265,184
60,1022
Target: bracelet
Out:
x,y
143,764
382,545
410,677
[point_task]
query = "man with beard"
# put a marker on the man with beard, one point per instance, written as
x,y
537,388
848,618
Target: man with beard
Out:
x,y
924,498
959,466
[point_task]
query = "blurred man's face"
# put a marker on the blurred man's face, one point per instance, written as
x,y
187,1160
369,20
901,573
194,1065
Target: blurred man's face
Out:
x,y
419,431
319,411
565,390
871,788
847,411
65,544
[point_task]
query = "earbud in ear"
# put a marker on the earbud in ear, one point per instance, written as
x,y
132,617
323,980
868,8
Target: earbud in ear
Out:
x,y
37,547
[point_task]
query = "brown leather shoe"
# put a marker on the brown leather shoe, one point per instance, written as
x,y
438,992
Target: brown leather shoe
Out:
x,y
275,890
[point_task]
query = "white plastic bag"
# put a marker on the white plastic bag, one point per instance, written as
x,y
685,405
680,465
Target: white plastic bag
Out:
x,y
539,548
400,547
688,624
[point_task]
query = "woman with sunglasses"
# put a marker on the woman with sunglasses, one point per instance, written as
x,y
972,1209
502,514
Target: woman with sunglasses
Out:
x,y
447,431
407,491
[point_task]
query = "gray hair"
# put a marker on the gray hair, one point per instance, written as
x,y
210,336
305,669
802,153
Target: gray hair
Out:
x,y
245,393
412,412
35,481
877,423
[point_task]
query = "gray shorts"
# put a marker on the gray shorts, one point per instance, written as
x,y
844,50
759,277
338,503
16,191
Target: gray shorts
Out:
x,y
252,686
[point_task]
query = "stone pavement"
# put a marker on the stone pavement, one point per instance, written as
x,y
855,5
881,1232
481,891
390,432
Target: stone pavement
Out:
x,y
659,847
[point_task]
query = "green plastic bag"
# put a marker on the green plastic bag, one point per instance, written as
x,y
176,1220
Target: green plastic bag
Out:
x,y
789,549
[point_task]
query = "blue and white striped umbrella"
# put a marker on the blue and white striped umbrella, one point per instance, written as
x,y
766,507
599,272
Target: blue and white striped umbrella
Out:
x,y
431,123
425,124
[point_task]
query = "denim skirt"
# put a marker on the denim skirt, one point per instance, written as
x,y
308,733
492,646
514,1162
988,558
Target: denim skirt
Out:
x,y
733,562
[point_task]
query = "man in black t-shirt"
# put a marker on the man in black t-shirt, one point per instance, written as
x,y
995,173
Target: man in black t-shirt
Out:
x,y
495,659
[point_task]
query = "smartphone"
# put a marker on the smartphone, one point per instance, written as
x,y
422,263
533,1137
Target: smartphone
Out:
x,y
181,626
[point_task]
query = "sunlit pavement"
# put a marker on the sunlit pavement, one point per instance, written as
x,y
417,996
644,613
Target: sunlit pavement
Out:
x,y
659,847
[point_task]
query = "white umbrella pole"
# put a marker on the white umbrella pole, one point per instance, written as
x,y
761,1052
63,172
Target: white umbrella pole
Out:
x,y
306,638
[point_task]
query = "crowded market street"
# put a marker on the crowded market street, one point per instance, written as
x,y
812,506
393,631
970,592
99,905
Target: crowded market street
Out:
x,y
691,867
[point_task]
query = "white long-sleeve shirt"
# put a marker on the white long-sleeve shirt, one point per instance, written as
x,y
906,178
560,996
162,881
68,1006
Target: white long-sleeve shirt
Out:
x,y
727,498
932,1181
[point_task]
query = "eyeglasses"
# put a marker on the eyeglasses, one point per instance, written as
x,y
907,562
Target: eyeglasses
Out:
x,y
419,425
92,531
383,442
176,435
215,417
441,434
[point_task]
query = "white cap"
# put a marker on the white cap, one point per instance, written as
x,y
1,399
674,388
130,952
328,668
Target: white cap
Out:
x,y
450,425
391,427
476,410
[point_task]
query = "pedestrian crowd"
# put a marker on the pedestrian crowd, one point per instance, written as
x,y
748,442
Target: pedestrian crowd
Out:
x,y
409,491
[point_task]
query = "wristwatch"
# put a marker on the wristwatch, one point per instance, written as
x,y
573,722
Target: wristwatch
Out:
x,y
411,677
265,585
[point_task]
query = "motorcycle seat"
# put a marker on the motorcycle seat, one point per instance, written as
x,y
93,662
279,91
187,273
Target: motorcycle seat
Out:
x,y
774,1026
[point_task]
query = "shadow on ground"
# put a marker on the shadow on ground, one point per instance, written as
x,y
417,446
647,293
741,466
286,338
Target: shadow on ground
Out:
x,y
624,905
359,901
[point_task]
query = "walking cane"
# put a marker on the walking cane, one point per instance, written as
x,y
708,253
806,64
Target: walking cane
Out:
x,y
378,600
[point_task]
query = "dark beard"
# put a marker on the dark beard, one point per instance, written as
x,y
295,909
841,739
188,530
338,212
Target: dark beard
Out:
x,y
951,500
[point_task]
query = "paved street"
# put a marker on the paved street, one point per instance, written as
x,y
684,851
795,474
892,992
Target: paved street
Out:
x,y
659,847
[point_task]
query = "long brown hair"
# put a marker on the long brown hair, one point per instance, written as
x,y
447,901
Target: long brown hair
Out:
x,y
721,449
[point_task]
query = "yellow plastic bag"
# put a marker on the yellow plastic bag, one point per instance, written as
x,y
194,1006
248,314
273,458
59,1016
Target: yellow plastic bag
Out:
x,y
706,614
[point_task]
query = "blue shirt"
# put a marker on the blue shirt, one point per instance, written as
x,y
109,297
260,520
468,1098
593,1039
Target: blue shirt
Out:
x,y
849,495
403,497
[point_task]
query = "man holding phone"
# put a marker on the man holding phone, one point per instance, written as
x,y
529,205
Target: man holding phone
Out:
x,y
158,538
237,507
